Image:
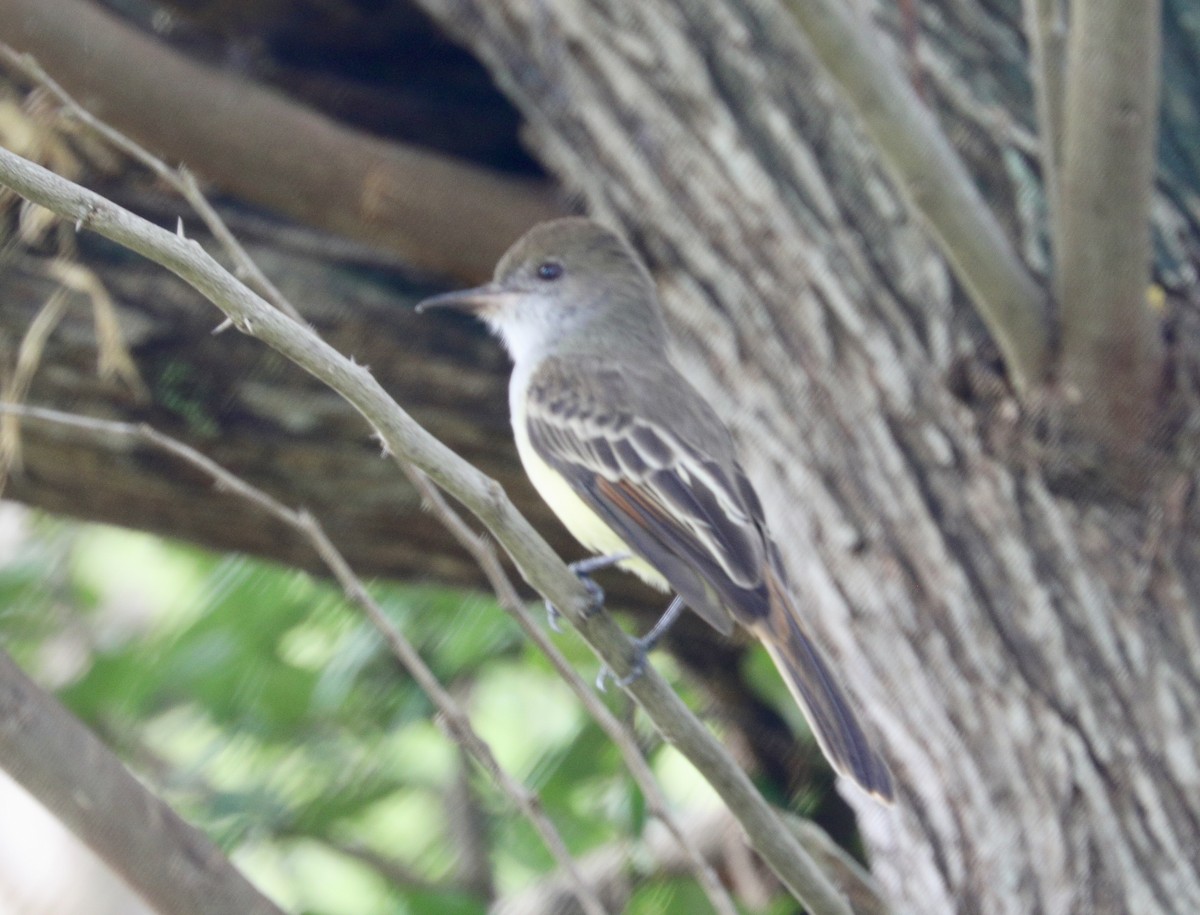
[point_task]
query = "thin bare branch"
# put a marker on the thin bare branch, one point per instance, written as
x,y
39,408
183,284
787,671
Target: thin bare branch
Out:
x,y
609,868
481,495
479,548
395,873
454,718
936,183
483,553
180,179
468,829
865,895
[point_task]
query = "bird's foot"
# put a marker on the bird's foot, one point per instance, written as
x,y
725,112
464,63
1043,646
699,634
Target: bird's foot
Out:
x,y
643,646
583,570
641,653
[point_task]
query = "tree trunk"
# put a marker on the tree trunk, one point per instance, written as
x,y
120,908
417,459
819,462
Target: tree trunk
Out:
x,y
1023,643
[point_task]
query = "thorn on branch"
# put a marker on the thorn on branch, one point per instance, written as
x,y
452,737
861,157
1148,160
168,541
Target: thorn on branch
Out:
x,y
385,450
85,218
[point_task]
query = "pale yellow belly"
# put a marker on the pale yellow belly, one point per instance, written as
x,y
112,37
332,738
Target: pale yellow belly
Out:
x,y
584,524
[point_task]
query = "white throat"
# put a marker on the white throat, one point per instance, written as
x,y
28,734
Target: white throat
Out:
x,y
524,341
529,331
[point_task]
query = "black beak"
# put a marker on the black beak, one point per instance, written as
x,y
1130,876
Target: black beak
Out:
x,y
480,301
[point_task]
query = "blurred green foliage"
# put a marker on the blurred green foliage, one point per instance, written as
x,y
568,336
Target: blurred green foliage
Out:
x,y
267,711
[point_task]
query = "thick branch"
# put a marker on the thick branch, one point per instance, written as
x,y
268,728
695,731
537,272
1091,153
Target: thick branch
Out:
x,y
170,863
483,497
935,182
1112,347
437,214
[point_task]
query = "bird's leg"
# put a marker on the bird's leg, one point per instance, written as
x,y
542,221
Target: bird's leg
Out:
x,y
650,640
583,570
645,645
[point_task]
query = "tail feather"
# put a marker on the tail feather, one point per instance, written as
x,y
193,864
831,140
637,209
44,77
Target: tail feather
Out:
x,y
822,701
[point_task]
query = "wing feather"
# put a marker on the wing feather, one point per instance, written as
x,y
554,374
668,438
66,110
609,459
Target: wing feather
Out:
x,y
679,509
693,515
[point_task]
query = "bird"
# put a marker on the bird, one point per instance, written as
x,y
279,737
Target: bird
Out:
x,y
638,465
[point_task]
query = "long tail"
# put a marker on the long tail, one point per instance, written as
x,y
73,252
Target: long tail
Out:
x,y
812,683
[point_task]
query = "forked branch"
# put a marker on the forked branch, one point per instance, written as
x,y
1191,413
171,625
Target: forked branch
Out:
x,y
411,443
934,180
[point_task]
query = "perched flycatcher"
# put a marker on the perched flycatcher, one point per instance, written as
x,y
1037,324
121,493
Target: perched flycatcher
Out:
x,y
634,461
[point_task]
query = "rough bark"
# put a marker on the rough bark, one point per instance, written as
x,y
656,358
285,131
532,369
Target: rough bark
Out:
x,y
1024,644
1026,653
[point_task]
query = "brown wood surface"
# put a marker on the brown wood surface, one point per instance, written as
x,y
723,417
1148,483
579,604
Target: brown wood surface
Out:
x,y
1023,640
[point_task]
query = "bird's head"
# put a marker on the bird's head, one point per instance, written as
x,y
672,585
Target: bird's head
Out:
x,y
560,281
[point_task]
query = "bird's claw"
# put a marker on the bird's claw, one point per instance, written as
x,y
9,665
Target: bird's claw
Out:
x,y
595,593
637,669
643,646
595,602
583,570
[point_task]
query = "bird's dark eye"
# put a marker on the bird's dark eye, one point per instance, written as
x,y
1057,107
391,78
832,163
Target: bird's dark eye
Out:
x,y
549,270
